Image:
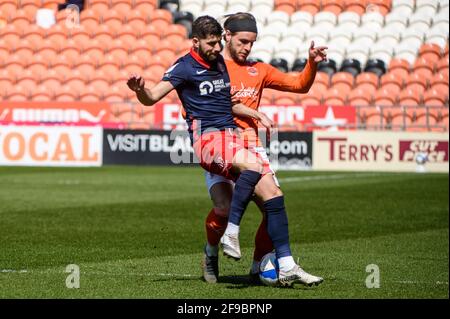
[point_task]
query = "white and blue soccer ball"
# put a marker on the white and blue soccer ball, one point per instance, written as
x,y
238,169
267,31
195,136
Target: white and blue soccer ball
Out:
x,y
421,158
269,269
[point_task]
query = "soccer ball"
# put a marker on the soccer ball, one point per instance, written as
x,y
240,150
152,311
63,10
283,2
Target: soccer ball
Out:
x,y
421,158
269,269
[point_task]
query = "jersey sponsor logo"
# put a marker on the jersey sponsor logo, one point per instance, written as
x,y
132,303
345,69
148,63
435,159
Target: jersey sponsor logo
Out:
x,y
245,92
206,88
252,71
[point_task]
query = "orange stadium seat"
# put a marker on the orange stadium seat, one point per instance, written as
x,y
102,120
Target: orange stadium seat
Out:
x,y
34,34
113,94
51,79
342,80
24,50
89,17
400,66
99,6
90,94
109,65
99,80
145,5
150,34
288,6
9,6
409,97
313,97
104,35
161,19
137,20
359,97
47,49
424,67
285,98
381,6
334,6
391,81
323,78
42,94
21,20
66,94
38,65
384,97
435,97
27,80
355,6
311,6
113,20
80,36
163,47
430,51
442,66
30,7
76,83
52,4
370,117
416,82
18,94
121,5
335,96
176,34
439,81
85,65
367,81
11,34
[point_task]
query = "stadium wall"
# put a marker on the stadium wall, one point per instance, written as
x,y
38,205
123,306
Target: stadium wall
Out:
x,y
53,145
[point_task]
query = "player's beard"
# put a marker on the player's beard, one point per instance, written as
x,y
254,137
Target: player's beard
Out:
x,y
210,57
235,55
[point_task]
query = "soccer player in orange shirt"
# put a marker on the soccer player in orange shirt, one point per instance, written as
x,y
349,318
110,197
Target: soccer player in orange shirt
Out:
x,y
248,79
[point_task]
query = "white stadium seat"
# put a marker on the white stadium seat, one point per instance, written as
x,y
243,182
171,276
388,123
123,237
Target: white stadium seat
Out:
x,y
261,8
278,18
380,51
403,7
396,20
214,8
349,18
325,19
302,17
342,32
443,5
389,37
430,6
238,6
437,35
420,21
192,6
294,34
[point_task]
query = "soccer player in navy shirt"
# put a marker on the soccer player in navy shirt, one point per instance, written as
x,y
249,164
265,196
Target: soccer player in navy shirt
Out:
x,y
203,86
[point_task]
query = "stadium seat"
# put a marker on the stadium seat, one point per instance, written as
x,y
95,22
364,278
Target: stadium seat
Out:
x,y
359,97
285,98
161,19
384,97
409,97
367,81
435,97
333,6
18,94
370,117
52,80
439,82
288,6
342,81
313,97
351,66
137,20
328,66
334,96
392,82
430,51
381,51
404,7
416,82
100,7
175,34
400,67
311,6
424,67
124,6
355,6
376,66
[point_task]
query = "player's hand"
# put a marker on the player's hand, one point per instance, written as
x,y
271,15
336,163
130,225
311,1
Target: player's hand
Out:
x,y
234,99
317,54
266,122
136,83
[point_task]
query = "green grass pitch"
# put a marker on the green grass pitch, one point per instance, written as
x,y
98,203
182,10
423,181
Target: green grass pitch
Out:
x,y
138,232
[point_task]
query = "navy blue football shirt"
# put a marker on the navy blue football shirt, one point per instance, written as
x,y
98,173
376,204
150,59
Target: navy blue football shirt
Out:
x,y
204,91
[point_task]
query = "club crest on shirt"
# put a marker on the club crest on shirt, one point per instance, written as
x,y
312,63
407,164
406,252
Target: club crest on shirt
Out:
x,y
252,71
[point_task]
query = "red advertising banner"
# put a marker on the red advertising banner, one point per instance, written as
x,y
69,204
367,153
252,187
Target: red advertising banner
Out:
x,y
168,116
54,113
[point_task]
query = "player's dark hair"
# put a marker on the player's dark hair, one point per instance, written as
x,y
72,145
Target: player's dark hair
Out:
x,y
206,26
241,21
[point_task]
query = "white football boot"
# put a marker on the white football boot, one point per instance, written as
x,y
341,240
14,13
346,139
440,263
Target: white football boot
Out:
x,y
298,275
230,246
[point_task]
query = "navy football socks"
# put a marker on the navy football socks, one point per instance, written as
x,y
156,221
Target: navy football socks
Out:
x,y
277,226
243,191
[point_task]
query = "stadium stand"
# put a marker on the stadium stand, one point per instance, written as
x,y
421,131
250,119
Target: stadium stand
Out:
x,y
382,53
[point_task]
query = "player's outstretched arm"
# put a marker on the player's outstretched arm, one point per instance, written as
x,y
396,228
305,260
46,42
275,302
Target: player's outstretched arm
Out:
x,y
245,111
147,96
